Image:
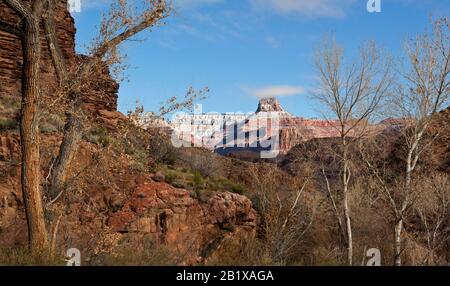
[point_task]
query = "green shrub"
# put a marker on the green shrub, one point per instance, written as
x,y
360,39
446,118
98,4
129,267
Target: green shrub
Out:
x,y
8,124
135,146
98,135
170,158
153,168
237,189
51,123
161,150
203,195
137,166
202,187
197,180
171,177
194,195
10,104
223,185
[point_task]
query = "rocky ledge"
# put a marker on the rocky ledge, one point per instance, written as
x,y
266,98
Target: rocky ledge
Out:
x,y
190,228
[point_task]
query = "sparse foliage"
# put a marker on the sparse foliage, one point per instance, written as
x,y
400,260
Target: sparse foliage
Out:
x,y
424,91
352,92
285,216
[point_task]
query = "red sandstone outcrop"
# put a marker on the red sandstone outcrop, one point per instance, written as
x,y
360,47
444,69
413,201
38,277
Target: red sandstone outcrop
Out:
x,y
110,118
9,147
293,131
102,94
270,105
180,222
11,49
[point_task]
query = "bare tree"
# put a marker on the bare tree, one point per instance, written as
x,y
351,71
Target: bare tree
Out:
x,y
385,183
424,92
433,207
121,24
285,217
353,93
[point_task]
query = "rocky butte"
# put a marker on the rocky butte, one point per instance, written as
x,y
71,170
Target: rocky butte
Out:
x,y
220,132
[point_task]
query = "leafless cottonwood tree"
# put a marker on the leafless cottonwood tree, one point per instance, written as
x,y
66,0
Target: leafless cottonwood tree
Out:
x,y
121,24
352,91
428,203
285,216
433,207
424,92
384,182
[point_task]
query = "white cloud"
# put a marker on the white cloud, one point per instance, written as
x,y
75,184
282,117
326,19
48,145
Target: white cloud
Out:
x,y
310,8
274,91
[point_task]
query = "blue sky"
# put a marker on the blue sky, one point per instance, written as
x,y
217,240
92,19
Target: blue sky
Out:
x,y
244,49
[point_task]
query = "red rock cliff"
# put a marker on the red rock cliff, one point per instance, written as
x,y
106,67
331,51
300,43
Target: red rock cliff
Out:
x,y
103,96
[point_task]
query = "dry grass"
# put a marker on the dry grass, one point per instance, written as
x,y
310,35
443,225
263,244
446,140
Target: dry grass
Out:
x,y
21,256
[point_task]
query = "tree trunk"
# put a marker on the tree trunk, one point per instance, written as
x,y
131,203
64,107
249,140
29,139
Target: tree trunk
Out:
x,y
398,228
349,231
29,133
398,242
72,129
72,136
348,223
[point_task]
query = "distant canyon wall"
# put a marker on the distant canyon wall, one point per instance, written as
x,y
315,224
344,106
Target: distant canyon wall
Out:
x,y
237,132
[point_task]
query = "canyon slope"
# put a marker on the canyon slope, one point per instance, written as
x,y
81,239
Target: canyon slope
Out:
x,y
109,200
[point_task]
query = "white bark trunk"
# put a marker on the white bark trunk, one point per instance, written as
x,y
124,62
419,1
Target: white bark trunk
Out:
x,y
348,223
398,242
